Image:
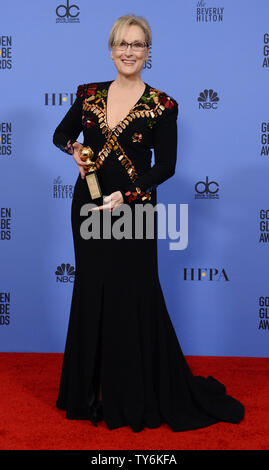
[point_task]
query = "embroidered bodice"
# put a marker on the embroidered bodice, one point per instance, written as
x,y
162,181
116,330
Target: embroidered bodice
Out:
x,y
150,124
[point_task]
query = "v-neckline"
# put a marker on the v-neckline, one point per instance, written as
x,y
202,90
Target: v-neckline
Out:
x,y
118,124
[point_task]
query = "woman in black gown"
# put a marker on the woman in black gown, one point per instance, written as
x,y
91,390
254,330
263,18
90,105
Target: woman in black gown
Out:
x,y
122,359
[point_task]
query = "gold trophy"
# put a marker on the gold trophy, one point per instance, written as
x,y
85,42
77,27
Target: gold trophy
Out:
x,y
86,155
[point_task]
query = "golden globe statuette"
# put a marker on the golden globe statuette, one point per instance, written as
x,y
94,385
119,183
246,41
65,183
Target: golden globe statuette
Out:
x,y
86,155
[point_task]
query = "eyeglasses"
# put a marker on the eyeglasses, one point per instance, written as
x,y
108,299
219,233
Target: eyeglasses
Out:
x,y
137,46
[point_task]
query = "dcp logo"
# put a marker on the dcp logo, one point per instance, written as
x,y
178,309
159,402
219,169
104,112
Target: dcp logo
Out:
x,y
66,10
205,187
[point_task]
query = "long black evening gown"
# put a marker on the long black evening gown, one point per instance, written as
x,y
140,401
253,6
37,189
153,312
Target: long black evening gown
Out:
x,y
119,331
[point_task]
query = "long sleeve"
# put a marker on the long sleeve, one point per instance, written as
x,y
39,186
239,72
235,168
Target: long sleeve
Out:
x,y
165,151
69,128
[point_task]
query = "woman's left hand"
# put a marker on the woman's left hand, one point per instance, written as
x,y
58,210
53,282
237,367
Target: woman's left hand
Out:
x,y
113,200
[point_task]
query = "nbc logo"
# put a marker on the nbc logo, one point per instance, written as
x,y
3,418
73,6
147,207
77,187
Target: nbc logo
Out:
x,y
208,99
65,273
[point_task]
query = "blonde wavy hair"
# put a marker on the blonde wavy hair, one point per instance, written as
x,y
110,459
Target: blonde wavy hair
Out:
x,y
118,29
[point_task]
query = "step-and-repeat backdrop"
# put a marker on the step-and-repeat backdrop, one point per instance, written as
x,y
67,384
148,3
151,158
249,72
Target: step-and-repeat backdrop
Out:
x,y
213,58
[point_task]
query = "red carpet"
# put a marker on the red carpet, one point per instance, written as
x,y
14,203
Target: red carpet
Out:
x,y
30,419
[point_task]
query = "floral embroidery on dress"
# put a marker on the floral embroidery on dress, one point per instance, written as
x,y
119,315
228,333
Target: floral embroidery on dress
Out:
x,y
90,93
88,121
136,137
150,123
87,90
156,96
101,94
166,101
149,98
133,195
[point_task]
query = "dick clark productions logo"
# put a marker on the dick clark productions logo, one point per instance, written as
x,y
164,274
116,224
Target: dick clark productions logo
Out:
x,y
67,13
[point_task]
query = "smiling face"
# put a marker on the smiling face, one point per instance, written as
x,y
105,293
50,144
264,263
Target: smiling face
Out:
x,y
130,62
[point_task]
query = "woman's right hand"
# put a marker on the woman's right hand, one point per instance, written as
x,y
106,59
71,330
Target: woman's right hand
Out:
x,y
82,166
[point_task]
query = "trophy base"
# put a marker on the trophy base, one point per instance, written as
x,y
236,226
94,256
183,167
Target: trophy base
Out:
x,y
94,188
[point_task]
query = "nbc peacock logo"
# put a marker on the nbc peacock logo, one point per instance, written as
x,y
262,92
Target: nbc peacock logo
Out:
x,y
65,273
208,99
